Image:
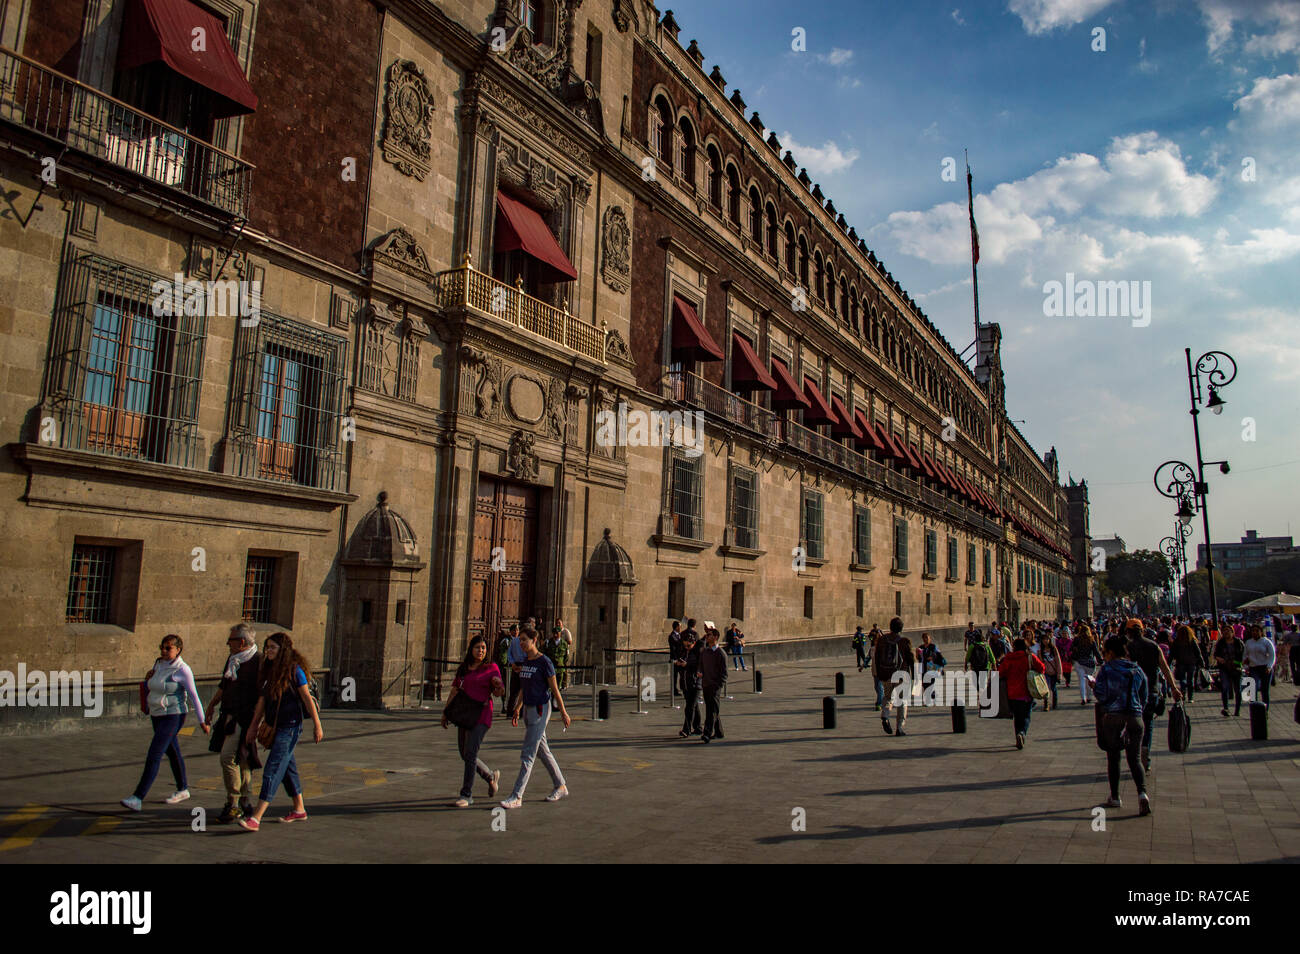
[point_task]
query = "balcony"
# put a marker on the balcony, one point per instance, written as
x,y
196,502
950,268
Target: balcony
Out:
x,y
69,112
467,287
692,389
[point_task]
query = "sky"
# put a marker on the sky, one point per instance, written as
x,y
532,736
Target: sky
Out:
x,y
1137,142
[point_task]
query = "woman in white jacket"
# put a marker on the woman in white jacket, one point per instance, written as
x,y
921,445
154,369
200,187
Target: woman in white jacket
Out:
x,y
171,696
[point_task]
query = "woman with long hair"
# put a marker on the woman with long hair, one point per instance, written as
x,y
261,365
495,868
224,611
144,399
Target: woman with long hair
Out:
x,y
1122,693
171,695
480,680
285,699
1084,655
1013,669
538,690
1189,659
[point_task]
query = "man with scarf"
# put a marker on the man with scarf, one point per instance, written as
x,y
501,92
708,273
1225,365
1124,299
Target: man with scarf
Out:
x,y
237,695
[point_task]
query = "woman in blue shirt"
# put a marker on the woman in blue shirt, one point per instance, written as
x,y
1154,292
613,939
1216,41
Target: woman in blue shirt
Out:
x,y
1121,692
285,698
537,677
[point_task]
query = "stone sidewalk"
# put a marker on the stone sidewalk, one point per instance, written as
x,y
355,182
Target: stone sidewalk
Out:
x,y
379,790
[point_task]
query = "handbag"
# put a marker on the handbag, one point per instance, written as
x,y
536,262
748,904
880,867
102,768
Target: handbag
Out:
x,y
266,733
1180,728
1036,682
463,711
1100,716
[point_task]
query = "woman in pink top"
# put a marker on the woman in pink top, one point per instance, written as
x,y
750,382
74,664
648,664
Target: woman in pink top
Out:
x,y
480,680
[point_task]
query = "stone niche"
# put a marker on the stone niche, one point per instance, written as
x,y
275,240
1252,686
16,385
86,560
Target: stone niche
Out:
x,y
382,647
607,601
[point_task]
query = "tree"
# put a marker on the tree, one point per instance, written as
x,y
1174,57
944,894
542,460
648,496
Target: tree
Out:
x,y
1275,576
1198,587
1137,574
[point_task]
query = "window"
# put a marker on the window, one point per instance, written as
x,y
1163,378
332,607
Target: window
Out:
x,y
830,289
861,602
686,503
900,545
807,602
686,151
931,554
533,14
259,583
862,536
715,177
813,523
949,604
661,131
803,261
953,568
677,597
898,602
124,369
927,604
771,230
90,584
286,413
594,44
790,248
970,563
970,604
744,508
819,275
755,216
737,600
733,195
988,566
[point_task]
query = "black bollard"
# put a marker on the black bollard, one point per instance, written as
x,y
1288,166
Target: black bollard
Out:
x,y
828,712
758,681
1258,722
959,719
602,704
839,683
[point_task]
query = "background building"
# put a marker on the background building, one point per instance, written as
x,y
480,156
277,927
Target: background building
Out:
x,y
1252,552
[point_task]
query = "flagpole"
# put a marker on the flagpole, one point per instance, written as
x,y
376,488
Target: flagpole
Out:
x,y
974,245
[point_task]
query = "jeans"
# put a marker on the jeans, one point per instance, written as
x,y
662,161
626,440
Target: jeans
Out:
x,y
1051,684
1123,732
903,691
235,772
712,713
536,746
468,742
862,657
1230,683
280,765
691,710
1186,676
1260,675
1020,709
1149,720
1084,671
738,659
880,693
165,731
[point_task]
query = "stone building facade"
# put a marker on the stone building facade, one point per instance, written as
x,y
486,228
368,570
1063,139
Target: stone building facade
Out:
x,y
337,350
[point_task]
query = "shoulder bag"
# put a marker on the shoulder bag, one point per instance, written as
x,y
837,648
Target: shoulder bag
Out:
x,y
1035,682
463,711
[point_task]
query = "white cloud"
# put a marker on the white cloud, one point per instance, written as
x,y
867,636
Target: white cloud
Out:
x,y
1282,17
957,18
836,57
1042,16
1265,336
1265,247
822,160
1272,103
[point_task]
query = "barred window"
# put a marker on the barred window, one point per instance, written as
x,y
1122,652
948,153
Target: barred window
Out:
x,y
931,553
900,545
862,536
813,524
286,406
125,364
988,566
90,584
744,508
259,588
970,563
676,597
953,554
687,497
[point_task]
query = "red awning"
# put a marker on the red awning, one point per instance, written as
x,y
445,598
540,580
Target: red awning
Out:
x,y
937,466
925,464
787,394
895,447
870,436
163,31
520,228
690,335
747,372
846,426
820,412
912,460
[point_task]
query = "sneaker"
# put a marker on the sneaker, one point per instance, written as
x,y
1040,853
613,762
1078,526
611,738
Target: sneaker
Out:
x,y
249,824
514,801
889,730
229,814
463,802
705,739
1112,803
175,798
900,731
1020,741
1144,804
294,817
563,791
877,709
494,784
683,734
132,803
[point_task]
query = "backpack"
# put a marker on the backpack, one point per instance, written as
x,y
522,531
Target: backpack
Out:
x,y
979,656
890,656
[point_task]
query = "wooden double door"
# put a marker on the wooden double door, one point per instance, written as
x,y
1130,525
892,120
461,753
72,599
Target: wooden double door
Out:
x,y
504,557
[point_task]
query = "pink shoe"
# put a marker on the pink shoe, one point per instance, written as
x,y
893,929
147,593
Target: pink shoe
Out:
x,y
249,824
294,816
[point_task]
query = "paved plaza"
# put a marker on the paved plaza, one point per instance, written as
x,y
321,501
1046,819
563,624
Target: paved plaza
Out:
x,y
379,790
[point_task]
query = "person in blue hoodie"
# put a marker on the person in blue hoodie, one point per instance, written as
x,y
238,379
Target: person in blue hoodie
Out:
x,y
1121,692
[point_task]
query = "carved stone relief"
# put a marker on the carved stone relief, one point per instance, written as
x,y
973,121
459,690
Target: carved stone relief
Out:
x,y
408,106
480,392
616,349
520,459
615,257
399,249
390,351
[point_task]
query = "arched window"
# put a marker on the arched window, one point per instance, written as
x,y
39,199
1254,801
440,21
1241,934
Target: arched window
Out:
x,y
686,150
771,230
715,177
874,336
853,309
733,194
790,248
803,261
819,275
844,302
661,131
756,216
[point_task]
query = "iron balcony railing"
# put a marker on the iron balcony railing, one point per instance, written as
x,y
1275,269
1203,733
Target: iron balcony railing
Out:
x,y
70,112
467,287
692,389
